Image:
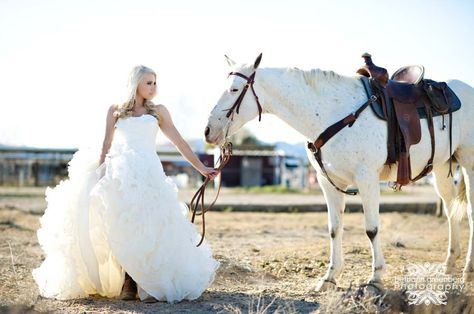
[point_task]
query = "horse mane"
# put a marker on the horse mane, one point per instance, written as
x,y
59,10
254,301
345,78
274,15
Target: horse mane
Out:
x,y
317,77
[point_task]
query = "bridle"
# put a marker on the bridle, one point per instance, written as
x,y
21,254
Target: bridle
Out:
x,y
236,106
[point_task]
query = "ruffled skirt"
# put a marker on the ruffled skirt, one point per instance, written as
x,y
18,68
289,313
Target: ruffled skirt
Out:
x,y
121,217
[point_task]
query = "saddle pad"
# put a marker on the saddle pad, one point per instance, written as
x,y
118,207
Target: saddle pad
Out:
x,y
378,110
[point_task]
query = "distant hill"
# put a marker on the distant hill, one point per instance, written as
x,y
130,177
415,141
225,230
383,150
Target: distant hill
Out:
x,y
297,150
3,146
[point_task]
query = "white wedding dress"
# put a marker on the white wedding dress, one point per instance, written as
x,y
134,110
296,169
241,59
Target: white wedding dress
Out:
x,y
121,217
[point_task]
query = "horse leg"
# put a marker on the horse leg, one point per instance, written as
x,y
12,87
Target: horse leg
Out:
x,y
367,181
446,189
336,203
465,157
468,174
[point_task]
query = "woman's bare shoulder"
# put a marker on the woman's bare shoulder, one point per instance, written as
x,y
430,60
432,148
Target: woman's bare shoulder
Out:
x,y
161,109
113,108
111,112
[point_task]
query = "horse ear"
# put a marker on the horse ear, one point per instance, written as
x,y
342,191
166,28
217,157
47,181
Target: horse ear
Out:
x,y
230,62
257,61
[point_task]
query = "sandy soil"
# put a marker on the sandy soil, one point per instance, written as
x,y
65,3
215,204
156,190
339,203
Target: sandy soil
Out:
x,y
267,259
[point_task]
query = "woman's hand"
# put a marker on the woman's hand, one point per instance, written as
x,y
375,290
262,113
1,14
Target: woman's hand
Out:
x,y
209,172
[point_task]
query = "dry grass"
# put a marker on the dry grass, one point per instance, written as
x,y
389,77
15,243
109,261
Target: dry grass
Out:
x,y
269,264
354,300
260,305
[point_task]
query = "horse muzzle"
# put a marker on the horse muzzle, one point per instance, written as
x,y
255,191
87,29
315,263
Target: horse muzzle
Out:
x,y
215,138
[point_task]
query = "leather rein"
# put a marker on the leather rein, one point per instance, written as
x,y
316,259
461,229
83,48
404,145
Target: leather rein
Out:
x,y
197,202
196,205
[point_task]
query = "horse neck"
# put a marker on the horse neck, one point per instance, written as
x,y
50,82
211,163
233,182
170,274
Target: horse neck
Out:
x,y
309,101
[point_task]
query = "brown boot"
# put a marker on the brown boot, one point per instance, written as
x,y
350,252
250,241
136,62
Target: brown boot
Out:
x,y
129,289
150,299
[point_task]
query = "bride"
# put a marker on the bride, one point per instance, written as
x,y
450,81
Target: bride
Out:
x,y
115,227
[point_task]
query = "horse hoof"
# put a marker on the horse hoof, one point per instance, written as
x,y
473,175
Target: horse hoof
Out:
x,y
325,285
373,288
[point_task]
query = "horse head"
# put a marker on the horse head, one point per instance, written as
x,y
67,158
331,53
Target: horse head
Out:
x,y
237,105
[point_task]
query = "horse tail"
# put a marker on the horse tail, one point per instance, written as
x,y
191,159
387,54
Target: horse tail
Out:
x,y
459,204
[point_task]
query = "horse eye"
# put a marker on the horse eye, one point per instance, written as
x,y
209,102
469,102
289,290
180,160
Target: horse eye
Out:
x,y
233,90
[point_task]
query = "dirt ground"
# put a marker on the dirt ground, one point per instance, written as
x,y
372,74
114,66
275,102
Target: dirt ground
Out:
x,y
270,263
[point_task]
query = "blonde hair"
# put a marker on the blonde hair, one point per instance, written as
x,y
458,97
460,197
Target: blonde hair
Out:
x,y
126,109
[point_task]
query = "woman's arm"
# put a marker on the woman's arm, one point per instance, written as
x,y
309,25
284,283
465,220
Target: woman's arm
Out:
x,y
109,133
168,128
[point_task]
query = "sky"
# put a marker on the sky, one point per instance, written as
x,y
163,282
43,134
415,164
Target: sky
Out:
x,y
63,63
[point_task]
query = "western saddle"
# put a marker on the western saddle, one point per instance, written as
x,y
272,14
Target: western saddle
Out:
x,y
402,101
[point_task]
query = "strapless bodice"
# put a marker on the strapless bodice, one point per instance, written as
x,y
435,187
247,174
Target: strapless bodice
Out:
x,y
138,133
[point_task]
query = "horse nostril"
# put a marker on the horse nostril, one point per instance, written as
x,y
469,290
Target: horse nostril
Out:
x,y
207,131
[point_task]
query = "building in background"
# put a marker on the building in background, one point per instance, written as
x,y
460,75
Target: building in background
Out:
x,y
250,165
30,166
259,165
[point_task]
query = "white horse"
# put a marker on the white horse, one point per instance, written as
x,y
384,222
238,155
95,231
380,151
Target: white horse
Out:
x,y
310,101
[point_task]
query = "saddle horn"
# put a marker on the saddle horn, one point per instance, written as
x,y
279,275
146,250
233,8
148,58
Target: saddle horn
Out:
x,y
379,74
